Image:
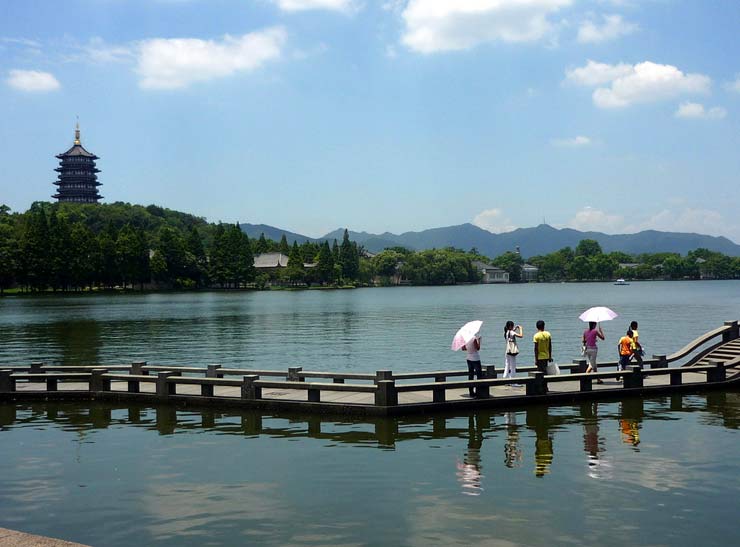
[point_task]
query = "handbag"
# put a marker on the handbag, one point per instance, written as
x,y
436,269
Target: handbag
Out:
x,y
511,347
583,349
552,369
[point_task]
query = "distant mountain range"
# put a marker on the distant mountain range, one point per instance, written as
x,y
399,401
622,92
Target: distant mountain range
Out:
x,y
540,240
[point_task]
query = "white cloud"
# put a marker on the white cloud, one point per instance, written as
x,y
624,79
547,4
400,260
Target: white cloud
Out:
x,y
494,221
697,111
734,86
590,219
613,27
597,73
305,5
99,51
673,219
32,80
575,142
432,25
178,62
641,83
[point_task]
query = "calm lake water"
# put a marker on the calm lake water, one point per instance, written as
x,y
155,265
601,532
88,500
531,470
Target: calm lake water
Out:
x,y
363,330
662,471
659,471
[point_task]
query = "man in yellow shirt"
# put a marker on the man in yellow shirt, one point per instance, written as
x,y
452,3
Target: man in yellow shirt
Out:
x,y
542,347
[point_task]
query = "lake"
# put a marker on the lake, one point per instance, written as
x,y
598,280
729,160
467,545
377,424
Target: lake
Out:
x,y
362,330
651,472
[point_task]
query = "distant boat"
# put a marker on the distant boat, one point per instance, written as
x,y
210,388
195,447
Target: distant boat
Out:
x,y
620,281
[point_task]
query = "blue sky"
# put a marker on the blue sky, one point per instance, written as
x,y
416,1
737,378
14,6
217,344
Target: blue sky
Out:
x,y
613,115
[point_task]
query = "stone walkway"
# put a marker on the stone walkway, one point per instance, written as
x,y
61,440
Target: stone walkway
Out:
x,y
13,538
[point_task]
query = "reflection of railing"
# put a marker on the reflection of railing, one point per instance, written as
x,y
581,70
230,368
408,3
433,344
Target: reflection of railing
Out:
x,y
379,390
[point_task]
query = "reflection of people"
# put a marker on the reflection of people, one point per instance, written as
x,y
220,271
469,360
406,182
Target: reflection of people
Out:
x,y
473,357
511,333
630,431
542,347
537,419
589,342
469,470
512,452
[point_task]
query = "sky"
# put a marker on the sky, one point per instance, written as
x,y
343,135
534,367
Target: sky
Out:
x,y
387,115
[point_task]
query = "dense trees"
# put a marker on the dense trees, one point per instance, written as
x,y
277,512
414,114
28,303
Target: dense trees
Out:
x,y
76,247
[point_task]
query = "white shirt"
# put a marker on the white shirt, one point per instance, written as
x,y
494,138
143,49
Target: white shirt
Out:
x,y
473,354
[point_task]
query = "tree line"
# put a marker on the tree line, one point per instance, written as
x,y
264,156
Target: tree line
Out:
x,y
73,247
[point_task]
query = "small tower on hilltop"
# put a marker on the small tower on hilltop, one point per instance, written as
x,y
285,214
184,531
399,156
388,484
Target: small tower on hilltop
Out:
x,y
77,181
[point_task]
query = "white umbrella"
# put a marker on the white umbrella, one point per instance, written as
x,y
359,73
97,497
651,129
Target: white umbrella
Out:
x,y
597,314
466,333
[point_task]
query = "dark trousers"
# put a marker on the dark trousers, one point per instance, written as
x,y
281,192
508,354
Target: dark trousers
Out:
x,y
542,365
474,370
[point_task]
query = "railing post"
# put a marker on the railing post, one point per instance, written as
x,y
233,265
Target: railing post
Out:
x,y
212,371
165,388
582,366
633,379
97,382
314,395
538,386
385,393
137,368
52,384
293,374
439,393
7,382
718,374
733,333
660,361
37,368
482,392
206,390
133,386
586,383
489,371
381,375
251,391
676,377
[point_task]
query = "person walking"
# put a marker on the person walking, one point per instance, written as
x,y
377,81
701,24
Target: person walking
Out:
x,y
542,347
473,358
625,351
511,333
590,336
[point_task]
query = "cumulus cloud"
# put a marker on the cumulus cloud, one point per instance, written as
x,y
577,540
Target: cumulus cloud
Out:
x,y
98,51
32,80
305,5
672,219
696,111
641,83
612,27
179,62
494,221
591,219
575,142
433,26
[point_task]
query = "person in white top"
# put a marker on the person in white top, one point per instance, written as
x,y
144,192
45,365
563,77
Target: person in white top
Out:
x,y
473,357
511,333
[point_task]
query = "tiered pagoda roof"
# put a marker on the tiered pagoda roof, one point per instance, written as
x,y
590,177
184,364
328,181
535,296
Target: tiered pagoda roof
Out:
x,y
77,181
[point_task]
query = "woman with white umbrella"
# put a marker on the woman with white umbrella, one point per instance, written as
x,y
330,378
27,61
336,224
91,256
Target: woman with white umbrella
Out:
x,y
594,316
468,339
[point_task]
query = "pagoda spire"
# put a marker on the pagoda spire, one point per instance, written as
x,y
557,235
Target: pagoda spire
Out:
x,y
77,132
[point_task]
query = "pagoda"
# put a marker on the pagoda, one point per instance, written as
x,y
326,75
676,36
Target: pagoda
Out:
x,y
77,180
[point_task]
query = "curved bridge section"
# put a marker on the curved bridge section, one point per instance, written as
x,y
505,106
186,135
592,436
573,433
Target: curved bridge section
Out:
x,y
712,361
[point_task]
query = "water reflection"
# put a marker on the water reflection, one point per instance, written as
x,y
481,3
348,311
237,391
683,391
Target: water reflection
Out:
x,y
469,470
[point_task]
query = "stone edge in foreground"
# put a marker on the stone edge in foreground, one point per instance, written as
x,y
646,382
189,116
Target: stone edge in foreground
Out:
x,y
12,538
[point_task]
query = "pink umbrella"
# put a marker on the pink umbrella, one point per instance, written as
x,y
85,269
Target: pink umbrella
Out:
x,y
466,333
